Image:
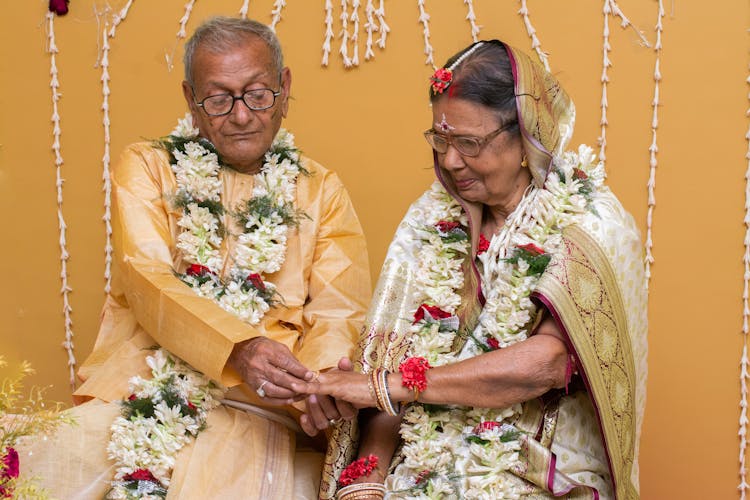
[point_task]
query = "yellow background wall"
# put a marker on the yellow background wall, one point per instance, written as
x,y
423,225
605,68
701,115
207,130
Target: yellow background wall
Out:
x,y
366,123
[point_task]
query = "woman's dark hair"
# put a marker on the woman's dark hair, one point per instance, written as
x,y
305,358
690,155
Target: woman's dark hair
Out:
x,y
484,77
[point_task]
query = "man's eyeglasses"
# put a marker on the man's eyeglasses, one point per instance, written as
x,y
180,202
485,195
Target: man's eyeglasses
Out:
x,y
222,104
466,145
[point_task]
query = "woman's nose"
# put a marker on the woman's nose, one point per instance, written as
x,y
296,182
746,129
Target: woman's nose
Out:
x,y
452,159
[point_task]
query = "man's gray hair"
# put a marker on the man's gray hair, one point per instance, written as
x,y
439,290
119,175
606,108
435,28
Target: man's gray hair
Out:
x,y
221,33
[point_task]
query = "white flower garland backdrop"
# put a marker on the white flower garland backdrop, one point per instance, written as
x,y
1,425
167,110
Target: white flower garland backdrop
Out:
x,y
350,29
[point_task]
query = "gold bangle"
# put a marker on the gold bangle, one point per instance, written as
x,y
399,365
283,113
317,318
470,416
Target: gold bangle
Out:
x,y
361,490
372,384
387,402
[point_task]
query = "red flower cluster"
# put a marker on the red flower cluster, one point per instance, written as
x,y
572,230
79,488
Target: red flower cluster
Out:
x,y
434,312
59,7
197,270
493,343
132,397
532,249
360,467
487,425
484,244
8,471
422,476
441,79
580,174
257,282
413,373
141,475
445,226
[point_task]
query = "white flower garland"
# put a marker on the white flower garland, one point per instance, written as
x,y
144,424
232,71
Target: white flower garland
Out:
x,y
161,416
466,451
65,288
261,249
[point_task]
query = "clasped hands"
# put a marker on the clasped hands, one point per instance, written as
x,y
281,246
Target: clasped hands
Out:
x,y
279,378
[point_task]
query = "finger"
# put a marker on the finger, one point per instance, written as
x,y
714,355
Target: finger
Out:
x,y
316,413
345,364
308,425
345,409
284,360
328,405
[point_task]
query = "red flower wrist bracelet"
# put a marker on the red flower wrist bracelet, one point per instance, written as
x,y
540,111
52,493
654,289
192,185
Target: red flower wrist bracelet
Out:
x,y
359,468
413,374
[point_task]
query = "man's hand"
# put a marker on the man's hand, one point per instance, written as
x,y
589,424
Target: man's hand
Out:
x,y
323,411
271,369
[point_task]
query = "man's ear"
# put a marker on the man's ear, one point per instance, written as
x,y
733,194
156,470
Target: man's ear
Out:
x,y
286,86
187,92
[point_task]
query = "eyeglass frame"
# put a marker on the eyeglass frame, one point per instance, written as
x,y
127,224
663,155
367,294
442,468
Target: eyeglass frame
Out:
x,y
483,141
275,93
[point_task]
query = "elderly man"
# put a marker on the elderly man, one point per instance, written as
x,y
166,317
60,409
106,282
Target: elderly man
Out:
x,y
238,256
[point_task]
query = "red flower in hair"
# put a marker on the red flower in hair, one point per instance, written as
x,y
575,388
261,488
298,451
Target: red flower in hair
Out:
x,y
445,226
484,244
441,79
434,312
197,270
532,249
59,7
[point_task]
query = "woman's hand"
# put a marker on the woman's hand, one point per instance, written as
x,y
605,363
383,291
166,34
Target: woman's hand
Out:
x,y
322,411
344,385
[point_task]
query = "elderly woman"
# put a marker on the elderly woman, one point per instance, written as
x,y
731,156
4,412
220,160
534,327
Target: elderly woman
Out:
x,y
505,351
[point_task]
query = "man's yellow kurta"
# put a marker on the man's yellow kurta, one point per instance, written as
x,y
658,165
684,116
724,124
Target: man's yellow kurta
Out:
x,y
325,286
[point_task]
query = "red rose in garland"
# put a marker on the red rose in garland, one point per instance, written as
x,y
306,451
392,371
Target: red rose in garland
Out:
x,y
434,312
484,244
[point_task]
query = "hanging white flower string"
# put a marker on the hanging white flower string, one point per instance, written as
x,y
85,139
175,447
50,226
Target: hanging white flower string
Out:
x,y
119,17
344,49
383,26
370,27
65,289
244,8
743,486
329,32
606,63
535,43
181,33
355,32
625,22
653,148
610,9
106,178
472,18
424,18
276,13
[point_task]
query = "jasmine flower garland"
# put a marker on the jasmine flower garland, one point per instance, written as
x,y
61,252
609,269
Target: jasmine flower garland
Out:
x,y
463,452
161,416
265,219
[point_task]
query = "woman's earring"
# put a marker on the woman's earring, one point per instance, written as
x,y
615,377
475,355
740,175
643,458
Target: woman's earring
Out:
x,y
524,162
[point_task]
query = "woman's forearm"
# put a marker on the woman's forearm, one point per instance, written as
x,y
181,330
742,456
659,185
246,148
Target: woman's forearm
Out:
x,y
379,437
496,379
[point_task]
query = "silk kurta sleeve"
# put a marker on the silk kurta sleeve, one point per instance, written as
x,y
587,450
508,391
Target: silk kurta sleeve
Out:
x,y
338,285
192,327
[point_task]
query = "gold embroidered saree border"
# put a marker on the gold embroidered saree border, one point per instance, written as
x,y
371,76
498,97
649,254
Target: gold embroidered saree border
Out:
x,y
580,289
